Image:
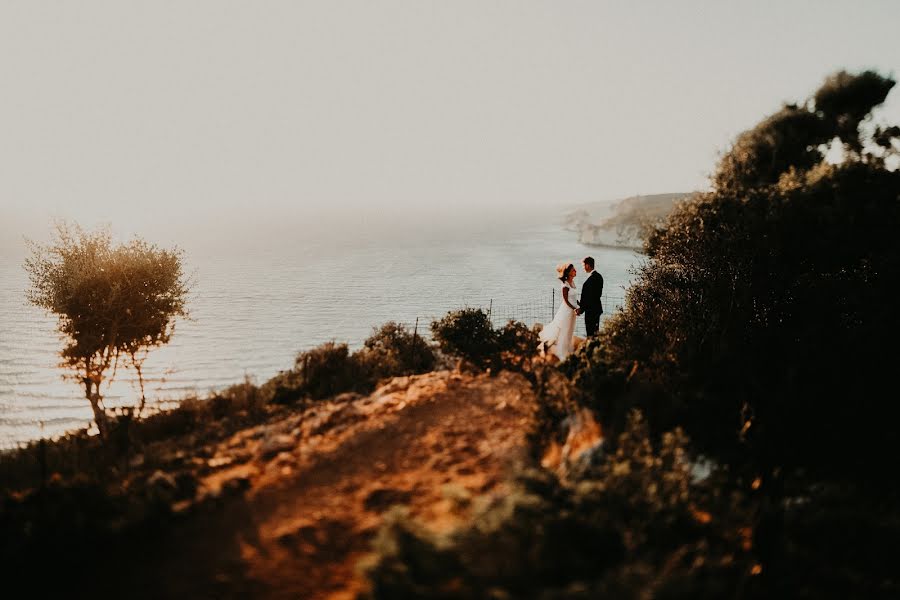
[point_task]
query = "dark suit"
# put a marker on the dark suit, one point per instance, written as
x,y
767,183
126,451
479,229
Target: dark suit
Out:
x,y
591,292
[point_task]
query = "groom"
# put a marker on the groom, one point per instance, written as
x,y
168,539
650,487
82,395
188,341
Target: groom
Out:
x,y
590,304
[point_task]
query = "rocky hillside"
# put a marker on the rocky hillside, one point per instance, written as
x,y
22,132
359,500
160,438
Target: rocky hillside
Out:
x,y
622,224
299,499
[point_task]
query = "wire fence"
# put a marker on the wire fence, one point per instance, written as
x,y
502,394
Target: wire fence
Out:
x,y
529,312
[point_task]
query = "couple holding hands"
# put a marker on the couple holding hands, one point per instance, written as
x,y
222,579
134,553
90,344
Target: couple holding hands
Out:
x,y
559,335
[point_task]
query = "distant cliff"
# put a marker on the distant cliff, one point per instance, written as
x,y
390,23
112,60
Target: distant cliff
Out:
x,y
623,224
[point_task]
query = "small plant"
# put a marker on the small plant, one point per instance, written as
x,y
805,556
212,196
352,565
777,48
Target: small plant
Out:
x,y
392,350
321,372
467,334
515,344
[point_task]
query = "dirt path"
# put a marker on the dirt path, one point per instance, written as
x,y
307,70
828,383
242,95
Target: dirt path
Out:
x,y
319,483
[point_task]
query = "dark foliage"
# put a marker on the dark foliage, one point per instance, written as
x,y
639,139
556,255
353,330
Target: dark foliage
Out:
x,y
515,345
330,369
196,422
845,100
797,136
392,350
634,526
468,334
764,321
321,372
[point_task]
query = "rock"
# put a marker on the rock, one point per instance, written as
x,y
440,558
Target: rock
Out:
x,y
162,480
329,539
284,458
583,446
272,445
242,455
219,461
236,484
457,494
397,384
346,397
162,487
379,499
182,507
186,484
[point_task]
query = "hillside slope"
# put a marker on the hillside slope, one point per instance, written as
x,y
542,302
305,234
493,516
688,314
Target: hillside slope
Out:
x,y
316,485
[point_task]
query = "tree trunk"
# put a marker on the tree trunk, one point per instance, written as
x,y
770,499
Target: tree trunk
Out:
x,y
94,398
138,364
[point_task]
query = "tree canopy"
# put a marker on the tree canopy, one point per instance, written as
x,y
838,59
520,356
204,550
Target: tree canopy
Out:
x,y
113,301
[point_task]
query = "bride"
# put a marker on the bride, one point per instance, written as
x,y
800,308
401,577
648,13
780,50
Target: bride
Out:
x,y
558,335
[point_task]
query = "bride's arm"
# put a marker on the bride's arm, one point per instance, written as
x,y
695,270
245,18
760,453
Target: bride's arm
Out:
x,y
566,298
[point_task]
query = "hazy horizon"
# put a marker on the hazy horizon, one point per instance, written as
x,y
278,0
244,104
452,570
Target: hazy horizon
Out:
x,y
214,120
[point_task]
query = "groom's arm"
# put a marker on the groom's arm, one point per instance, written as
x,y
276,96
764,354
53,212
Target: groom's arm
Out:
x,y
600,293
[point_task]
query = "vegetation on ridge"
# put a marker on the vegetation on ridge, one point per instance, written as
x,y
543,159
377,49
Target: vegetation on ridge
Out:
x,y
759,336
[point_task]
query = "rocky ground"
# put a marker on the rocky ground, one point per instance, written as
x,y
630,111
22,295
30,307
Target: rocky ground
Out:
x,y
296,501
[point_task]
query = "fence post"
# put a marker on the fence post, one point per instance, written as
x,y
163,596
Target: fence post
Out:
x,y
412,350
42,456
552,302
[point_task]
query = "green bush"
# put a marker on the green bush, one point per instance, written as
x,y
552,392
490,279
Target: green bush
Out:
x,y
326,370
330,369
516,344
392,350
467,334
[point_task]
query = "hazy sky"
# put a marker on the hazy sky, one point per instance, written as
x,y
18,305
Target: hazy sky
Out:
x,y
271,114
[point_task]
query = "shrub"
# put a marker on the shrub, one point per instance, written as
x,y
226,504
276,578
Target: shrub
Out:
x,y
467,334
392,351
331,368
321,372
516,344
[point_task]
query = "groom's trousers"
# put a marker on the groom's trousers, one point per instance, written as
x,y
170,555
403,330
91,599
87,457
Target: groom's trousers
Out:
x,y
591,322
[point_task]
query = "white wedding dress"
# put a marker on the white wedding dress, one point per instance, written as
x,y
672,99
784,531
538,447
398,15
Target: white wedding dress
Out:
x,y
559,333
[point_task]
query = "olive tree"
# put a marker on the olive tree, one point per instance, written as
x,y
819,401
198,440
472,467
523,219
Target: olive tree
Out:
x,y
115,302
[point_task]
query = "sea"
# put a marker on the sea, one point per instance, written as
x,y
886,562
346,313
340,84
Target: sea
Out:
x,y
252,312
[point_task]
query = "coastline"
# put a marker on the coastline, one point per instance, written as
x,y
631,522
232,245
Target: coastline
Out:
x,y
251,315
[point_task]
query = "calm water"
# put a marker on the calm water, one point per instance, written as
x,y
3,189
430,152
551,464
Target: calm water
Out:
x,y
251,315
